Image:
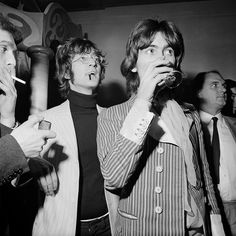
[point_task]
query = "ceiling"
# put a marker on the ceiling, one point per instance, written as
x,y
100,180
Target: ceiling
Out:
x,y
81,5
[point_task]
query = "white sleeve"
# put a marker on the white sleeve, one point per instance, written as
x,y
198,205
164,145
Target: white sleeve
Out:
x,y
137,121
216,225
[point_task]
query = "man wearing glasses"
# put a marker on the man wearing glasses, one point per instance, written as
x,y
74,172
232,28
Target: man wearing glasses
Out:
x,y
78,206
151,148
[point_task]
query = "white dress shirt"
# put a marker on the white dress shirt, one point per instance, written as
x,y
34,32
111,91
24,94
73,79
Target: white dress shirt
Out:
x,y
227,185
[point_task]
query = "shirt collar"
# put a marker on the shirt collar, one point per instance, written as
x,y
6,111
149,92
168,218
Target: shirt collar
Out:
x,y
206,117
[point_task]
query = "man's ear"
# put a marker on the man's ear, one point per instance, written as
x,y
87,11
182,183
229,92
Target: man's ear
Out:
x,y
199,94
134,70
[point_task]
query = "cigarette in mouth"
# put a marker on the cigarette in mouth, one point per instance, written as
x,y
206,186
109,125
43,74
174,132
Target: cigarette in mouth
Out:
x,y
19,80
89,76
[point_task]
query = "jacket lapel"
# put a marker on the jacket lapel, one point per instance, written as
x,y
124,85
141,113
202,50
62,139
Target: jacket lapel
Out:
x,y
231,122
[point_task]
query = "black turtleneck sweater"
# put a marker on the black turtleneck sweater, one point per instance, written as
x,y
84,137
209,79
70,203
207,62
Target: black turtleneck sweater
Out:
x,y
91,202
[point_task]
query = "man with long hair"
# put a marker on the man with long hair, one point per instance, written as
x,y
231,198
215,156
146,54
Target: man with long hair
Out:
x,y
151,147
78,206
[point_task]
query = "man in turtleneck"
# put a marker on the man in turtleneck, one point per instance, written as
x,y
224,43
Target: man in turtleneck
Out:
x,y
78,206
220,137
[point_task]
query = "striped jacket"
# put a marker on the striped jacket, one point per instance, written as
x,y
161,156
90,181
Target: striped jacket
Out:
x,y
150,176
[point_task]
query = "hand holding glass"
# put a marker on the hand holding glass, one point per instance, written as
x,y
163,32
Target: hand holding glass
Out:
x,y
174,79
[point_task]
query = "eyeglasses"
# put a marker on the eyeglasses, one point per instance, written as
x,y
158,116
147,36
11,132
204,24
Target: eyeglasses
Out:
x,y
174,79
87,59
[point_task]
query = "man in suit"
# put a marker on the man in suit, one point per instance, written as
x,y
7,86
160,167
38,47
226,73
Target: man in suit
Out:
x,y
18,145
79,205
151,148
25,141
210,91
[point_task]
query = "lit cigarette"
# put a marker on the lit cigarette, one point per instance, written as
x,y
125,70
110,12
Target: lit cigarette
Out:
x,y
17,79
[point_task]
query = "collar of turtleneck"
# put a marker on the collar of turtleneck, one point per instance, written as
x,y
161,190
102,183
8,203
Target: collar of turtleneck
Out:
x,y
82,100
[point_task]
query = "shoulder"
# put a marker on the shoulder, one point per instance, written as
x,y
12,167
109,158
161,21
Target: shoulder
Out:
x,y
116,112
4,130
230,120
191,112
188,107
100,108
59,116
60,109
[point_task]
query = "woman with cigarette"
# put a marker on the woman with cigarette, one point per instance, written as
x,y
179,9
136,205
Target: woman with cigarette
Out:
x,y
78,206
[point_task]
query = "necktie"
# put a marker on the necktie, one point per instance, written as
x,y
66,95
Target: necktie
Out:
x,y
216,149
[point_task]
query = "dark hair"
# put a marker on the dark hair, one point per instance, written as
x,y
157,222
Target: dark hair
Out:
x,y
140,38
6,25
197,85
228,108
64,56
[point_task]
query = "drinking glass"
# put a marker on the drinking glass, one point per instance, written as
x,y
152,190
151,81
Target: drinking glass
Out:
x,y
174,79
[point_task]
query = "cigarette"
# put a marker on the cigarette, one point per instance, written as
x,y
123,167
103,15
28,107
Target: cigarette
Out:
x,y
89,76
19,80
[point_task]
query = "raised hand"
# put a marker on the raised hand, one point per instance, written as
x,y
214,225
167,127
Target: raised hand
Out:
x,y
151,76
30,139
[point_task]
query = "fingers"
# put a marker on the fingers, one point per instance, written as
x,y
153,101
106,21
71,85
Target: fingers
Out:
x,y
7,81
46,134
154,74
49,183
159,67
34,117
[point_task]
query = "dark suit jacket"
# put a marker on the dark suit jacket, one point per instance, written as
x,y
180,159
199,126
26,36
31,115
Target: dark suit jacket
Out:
x,y
12,158
231,122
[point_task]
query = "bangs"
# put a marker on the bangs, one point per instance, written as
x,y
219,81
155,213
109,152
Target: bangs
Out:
x,y
81,49
145,40
173,38
84,49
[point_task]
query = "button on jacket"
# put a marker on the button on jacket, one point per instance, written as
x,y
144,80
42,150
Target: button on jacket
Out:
x,y
150,174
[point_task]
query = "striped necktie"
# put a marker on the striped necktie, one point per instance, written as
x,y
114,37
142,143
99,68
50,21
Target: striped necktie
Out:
x,y
216,149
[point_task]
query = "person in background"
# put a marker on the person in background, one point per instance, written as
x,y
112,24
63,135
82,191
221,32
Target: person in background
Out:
x,y
78,206
220,139
151,148
230,108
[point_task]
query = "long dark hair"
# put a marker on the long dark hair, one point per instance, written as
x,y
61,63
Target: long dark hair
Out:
x,y
140,38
